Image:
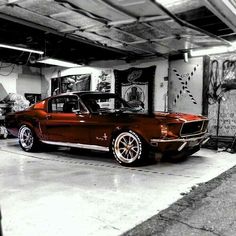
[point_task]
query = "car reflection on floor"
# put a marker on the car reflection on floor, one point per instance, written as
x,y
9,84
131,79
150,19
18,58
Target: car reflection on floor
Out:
x,y
88,193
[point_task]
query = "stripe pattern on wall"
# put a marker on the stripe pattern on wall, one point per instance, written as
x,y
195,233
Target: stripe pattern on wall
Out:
x,y
185,85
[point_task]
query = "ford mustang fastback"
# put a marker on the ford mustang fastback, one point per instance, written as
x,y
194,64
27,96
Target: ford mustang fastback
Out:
x,y
106,122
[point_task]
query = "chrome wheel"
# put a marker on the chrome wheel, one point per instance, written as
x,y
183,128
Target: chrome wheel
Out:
x,y
26,138
127,147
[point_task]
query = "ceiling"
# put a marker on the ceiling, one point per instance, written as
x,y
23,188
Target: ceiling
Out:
x,y
84,31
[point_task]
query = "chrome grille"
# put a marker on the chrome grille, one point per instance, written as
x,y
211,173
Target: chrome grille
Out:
x,y
194,127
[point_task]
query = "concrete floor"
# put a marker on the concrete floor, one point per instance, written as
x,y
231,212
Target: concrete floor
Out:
x,y
63,193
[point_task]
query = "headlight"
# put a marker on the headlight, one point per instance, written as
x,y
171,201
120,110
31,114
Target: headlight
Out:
x,y
164,130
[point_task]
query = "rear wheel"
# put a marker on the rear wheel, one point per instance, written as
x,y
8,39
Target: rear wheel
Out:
x,y
27,139
128,149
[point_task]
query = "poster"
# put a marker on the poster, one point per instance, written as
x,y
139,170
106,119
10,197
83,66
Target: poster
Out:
x,y
104,81
136,85
70,83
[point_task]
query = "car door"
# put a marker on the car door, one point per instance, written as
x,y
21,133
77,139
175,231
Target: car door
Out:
x,y
63,122
101,124
101,127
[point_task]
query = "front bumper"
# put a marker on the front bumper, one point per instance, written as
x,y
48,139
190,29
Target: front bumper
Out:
x,y
180,143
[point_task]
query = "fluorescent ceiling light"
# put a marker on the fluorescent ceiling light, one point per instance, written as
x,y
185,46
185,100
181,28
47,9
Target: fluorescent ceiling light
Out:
x,y
56,62
171,3
233,43
212,50
21,49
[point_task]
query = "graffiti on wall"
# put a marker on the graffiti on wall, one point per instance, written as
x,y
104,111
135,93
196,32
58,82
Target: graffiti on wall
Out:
x,y
222,78
227,116
222,88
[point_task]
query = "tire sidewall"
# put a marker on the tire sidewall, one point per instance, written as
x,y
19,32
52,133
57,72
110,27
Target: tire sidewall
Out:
x,y
141,148
33,147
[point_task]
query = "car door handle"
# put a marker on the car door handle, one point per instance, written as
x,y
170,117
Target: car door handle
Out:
x,y
48,117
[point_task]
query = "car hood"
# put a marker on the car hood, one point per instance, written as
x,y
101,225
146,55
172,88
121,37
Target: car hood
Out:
x,y
178,116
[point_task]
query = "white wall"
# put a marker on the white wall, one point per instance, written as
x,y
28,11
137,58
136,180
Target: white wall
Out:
x,y
20,79
185,85
160,85
28,84
8,76
54,72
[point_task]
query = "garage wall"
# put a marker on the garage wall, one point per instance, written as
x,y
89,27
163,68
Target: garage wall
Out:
x,y
29,81
160,82
185,85
20,79
222,72
8,76
54,72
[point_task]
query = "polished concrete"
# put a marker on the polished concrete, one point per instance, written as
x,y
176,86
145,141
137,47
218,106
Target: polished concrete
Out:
x,y
59,192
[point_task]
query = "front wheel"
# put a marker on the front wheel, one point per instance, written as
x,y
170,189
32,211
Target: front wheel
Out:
x,y
128,149
27,139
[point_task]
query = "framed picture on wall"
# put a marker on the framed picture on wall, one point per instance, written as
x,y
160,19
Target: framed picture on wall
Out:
x,y
70,83
135,85
104,81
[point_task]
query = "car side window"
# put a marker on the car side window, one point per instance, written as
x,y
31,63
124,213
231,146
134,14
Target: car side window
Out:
x,y
65,104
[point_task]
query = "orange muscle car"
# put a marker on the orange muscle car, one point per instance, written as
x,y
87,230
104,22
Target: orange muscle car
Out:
x,y
105,122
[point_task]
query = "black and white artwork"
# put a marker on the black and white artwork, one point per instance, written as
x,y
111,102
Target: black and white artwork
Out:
x,y
104,81
70,83
135,85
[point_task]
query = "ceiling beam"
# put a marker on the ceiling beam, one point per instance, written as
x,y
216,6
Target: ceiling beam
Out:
x,y
108,4
186,24
225,10
145,20
55,32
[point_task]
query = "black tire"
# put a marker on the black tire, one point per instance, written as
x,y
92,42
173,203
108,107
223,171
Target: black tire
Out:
x,y
27,139
128,148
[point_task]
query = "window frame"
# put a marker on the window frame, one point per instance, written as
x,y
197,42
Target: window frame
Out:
x,y
50,102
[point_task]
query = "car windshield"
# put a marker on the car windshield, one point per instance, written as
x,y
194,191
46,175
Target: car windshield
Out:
x,y
109,103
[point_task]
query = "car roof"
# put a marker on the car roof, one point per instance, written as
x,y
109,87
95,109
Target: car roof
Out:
x,y
79,93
